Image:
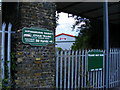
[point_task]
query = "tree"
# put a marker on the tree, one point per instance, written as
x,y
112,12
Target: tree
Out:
x,y
90,35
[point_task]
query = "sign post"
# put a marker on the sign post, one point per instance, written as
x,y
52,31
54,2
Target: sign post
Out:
x,y
37,36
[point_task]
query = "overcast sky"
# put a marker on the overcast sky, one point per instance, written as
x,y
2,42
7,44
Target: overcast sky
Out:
x,y
65,24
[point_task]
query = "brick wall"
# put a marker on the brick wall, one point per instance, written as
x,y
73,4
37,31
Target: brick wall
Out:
x,y
35,65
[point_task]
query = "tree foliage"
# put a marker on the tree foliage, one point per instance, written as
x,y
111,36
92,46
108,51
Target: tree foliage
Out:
x,y
90,37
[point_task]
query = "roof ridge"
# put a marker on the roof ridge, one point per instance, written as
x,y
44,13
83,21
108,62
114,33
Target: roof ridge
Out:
x,y
64,34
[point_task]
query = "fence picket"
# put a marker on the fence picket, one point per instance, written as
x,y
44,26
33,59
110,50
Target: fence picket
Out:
x,y
110,69
98,79
116,67
76,62
65,53
72,78
61,68
119,67
3,51
82,65
113,68
93,79
8,53
85,68
69,69
103,70
79,71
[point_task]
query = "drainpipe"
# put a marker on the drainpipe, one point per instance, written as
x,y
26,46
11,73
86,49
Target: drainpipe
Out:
x,y
106,42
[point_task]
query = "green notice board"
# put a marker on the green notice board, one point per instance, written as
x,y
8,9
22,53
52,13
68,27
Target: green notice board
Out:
x,y
95,60
37,36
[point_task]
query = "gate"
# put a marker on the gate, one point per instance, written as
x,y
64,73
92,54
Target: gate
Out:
x,y
71,70
6,30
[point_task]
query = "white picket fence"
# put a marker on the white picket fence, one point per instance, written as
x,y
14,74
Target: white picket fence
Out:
x,y
114,68
71,70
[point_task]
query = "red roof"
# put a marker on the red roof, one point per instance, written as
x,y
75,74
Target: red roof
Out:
x,y
64,34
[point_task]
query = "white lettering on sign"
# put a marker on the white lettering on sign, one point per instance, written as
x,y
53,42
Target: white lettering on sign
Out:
x,y
48,33
44,41
91,55
95,55
37,40
62,38
46,36
33,31
101,55
96,69
27,35
29,40
92,69
35,35
41,38
51,41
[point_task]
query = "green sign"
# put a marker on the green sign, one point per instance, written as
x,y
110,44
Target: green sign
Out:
x,y
37,36
95,60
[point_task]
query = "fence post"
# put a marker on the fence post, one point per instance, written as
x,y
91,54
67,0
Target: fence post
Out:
x,y
3,51
106,43
8,52
57,65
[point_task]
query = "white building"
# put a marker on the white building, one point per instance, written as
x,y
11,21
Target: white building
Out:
x,y
64,41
